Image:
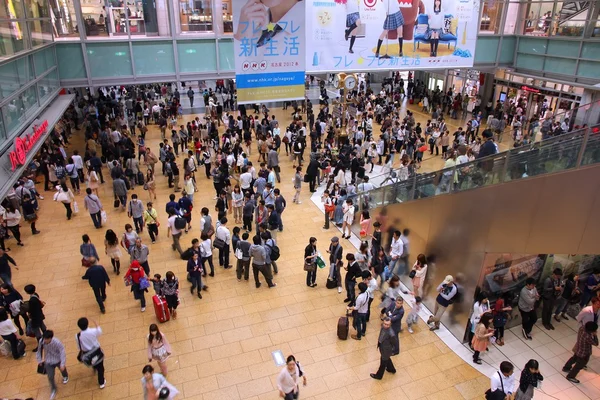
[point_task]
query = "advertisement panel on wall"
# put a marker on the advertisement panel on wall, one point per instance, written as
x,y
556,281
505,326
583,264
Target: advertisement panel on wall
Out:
x,y
360,35
269,45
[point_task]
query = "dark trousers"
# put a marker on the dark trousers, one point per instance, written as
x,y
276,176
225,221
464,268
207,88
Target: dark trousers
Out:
x,y
528,320
146,267
476,355
265,271
243,267
139,294
361,324
196,282
385,365
16,232
224,256
153,231
575,364
311,277
38,328
350,285
100,293
247,222
547,308
97,219
17,321
74,183
291,395
312,182
100,370
210,264
12,339
139,224
369,311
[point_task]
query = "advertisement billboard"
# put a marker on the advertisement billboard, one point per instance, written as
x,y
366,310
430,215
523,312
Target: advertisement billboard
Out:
x,y
269,46
362,35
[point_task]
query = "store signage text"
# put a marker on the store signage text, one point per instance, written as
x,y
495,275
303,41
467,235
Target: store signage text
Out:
x,y
23,145
530,89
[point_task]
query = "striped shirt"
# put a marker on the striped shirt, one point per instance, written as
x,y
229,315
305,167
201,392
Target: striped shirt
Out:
x,y
53,352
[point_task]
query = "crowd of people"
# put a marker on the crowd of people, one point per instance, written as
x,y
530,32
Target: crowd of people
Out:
x,y
249,209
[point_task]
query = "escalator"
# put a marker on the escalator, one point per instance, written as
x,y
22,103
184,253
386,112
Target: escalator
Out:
x,y
572,9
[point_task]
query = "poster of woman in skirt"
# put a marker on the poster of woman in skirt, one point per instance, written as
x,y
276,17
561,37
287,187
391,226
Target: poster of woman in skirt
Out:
x,y
352,21
392,25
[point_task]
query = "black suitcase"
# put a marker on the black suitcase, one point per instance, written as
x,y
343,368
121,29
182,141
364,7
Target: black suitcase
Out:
x,y
117,203
140,178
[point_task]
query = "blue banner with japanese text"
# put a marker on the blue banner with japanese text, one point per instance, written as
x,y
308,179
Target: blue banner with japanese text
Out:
x,y
269,45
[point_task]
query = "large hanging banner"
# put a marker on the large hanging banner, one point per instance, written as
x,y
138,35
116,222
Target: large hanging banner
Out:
x,y
362,35
269,45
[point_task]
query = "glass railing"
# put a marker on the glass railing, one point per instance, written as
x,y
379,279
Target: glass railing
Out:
x,y
568,151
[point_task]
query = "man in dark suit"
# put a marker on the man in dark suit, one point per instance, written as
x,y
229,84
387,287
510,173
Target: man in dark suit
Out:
x,y
97,278
386,345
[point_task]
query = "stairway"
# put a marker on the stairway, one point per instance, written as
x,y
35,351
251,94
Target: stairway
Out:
x,y
571,9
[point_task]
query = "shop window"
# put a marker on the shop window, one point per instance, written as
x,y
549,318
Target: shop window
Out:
x,y
12,9
490,17
227,16
48,85
569,28
13,38
19,110
194,16
64,20
539,20
37,9
41,32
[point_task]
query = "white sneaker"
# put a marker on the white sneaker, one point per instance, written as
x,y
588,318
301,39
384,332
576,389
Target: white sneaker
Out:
x,y
143,309
41,197
339,289
53,395
410,330
65,380
298,202
104,384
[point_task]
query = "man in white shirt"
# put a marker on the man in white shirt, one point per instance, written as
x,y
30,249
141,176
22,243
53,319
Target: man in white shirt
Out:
x,y
223,234
78,162
361,306
115,136
504,380
396,251
87,343
173,230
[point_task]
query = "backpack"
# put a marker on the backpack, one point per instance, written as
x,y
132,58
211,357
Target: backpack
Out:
x,y
60,172
188,254
275,254
180,223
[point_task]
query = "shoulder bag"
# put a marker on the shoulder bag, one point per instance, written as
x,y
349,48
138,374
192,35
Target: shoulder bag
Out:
x,y
496,394
89,358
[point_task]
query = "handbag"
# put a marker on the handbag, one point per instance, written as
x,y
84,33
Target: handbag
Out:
x,y
128,281
30,217
41,369
85,262
309,266
144,284
103,216
412,274
75,207
496,394
219,243
239,254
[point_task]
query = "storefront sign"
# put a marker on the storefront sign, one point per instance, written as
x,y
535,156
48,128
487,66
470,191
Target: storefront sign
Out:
x,y
530,89
24,144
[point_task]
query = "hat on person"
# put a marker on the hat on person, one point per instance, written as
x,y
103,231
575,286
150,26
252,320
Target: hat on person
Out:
x,y
335,239
448,279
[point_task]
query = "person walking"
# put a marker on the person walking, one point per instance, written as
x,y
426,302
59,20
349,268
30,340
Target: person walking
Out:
x,y
396,312
206,254
550,292
92,203
140,252
35,313
133,277
288,378
259,256
530,376
481,338
111,249
387,345
12,218
527,298
195,272
98,279
50,355
169,288
446,292
89,347
174,231
569,290
155,386
348,218
587,336
135,210
298,178
5,268
151,220
66,197
310,262
8,331
159,348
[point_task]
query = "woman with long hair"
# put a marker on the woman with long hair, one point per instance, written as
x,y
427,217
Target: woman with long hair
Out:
x,y
159,348
310,258
481,307
530,376
150,184
12,218
435,28
481,339
66,197
111,249
169,289
287,380
420,268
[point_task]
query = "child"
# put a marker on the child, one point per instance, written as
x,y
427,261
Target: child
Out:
x,y
413,315
156,284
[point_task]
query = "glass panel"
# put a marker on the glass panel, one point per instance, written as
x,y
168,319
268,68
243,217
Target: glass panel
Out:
x,y
529,61
590,50
539,19
197,55
12,9
596,32
507,52
591,154
19,110
486,49
14,75
109,59
47,85
42,61
153,58
37,9
512,14
226,59
70,61
227,16
560,65
194,16
562,48
64,19
490,17
41,32
569,28
2,131
13,38
535,46
588,69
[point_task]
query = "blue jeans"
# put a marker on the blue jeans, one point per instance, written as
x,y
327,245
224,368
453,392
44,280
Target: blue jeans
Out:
x,y
350,285
561,306
97,219
361,324
6,278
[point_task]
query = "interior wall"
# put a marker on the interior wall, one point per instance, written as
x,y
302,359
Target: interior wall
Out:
x,y
552,214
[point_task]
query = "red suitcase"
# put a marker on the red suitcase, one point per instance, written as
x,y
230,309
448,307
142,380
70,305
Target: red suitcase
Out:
x,y
160,308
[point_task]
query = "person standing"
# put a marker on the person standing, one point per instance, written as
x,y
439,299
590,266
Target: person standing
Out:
x,y
174,231
190,94
396,251
348,219
569,289
5,268
8,331
589,313
387,345
503,381
527,298
310,262
298,177
224,235
120,191
169,288
11,300
280,205
550,292
530,376
136,211
195,271
159,348
88,344
361,306
481,338
592,285
51,354
35,313
98,279
446,292
587,336
335,258
92,203
353,272
259,256
420,268
287,380
243,264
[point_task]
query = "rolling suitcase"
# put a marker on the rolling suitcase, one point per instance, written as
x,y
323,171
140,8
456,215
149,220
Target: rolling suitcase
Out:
x,y
160,308
343,327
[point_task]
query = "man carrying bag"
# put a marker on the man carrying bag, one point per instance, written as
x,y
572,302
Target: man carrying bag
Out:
x,y
90,352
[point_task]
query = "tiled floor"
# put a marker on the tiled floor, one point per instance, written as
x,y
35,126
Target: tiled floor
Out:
x,y
222,344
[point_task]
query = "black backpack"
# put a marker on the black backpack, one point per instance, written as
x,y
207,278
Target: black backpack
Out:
x,y
188,254
180,223
274,252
